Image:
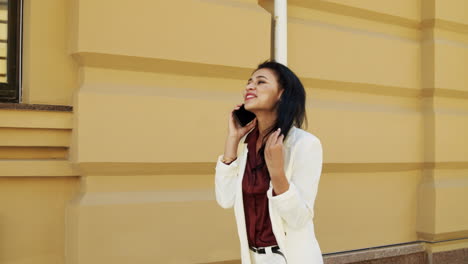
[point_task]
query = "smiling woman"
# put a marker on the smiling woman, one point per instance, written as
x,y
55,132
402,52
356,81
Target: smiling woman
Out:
x,y
277,97
273,185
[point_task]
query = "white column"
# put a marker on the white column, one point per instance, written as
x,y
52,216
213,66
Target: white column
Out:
x,y
281,31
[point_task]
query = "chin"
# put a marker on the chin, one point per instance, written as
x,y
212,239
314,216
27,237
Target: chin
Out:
x,y
250,108
247,106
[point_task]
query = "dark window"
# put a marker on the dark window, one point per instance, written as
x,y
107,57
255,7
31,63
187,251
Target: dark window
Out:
x,y
10,50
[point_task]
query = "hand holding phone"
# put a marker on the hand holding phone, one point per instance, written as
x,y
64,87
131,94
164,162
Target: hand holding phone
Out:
x,y
240,122
243,116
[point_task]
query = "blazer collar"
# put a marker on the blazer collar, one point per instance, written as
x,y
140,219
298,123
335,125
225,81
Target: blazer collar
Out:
x,y
287,141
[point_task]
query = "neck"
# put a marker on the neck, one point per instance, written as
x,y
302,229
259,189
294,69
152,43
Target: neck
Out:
x,y
264,122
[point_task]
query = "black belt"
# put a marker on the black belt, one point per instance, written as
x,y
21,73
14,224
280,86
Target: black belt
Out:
x,y
261,250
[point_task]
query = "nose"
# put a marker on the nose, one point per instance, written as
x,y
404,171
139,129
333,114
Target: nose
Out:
x,y
249,86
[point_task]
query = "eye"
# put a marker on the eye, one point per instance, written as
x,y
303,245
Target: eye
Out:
x,y
258,82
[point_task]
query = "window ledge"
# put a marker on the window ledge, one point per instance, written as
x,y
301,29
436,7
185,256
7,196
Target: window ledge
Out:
x,y
41,107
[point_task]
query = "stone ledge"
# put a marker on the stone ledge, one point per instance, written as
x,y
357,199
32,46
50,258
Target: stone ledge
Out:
x,y
456,256
374,254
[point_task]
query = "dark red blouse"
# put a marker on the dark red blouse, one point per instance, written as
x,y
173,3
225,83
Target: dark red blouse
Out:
x,y
255,184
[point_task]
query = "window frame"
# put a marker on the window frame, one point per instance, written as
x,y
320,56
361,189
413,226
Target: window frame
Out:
x,y
14,52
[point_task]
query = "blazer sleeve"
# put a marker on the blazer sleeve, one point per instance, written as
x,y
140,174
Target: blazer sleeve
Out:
x,y
296,205
225,182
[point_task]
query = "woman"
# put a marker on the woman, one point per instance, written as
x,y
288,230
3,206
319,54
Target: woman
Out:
x,y
270,171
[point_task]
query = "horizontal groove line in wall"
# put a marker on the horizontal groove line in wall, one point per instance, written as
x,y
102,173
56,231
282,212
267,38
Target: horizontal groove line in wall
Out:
x,y
199,168
356,12
231,72
392,166
341,9
22,153
414,37
444,92
36,168
192,168
138,197
444,24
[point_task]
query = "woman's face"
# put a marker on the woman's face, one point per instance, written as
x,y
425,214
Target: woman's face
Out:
x,y
262,91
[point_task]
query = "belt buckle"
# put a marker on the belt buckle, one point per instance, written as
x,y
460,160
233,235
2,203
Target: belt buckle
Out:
x,y
254,249
275,249
259,250
262,250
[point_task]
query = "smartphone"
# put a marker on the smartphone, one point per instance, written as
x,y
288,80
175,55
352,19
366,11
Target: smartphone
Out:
x,y
243,116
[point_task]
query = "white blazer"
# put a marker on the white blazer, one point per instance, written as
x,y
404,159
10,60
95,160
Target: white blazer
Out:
x,y
291,212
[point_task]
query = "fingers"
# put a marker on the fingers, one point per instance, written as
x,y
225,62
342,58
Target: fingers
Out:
x,y
252,123
270,139
235,108
249,125
231,115
280,139
275,138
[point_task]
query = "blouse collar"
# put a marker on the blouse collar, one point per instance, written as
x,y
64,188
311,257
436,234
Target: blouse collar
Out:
x,y
287,141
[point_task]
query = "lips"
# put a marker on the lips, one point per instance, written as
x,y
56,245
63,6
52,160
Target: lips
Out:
x,y
250,96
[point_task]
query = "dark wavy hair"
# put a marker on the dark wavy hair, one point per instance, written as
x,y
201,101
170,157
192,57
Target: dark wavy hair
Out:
x,y
291,105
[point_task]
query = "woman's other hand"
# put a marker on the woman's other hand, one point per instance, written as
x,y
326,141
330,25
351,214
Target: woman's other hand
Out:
x,y
274,157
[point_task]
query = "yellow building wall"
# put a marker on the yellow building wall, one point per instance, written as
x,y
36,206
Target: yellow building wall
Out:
x,y
49,72
128,176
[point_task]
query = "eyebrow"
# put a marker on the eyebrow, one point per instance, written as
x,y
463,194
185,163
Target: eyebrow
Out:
x,y
257,77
